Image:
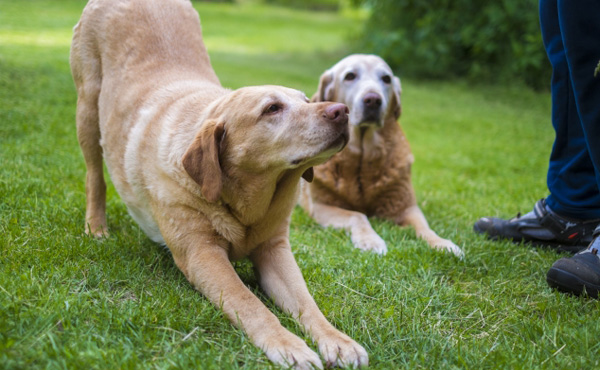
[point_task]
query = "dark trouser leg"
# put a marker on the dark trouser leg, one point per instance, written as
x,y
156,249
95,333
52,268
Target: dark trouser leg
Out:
x,y
579,25
568,29
567,218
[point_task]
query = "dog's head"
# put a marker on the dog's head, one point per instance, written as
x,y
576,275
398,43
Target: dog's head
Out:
x,y
264,130
367,85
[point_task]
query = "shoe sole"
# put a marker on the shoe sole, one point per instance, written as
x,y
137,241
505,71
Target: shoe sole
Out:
x,y
566,282
536,243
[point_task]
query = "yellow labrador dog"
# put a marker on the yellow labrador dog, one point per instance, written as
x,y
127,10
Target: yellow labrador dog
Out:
x,y
371,176
212,173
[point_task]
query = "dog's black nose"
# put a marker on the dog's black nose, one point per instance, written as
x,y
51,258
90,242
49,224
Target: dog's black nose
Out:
x,y
372,101
336,113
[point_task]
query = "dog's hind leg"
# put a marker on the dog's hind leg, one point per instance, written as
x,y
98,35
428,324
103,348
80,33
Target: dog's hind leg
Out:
x,y
86,70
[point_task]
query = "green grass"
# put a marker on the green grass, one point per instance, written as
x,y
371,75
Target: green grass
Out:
x,y
71,302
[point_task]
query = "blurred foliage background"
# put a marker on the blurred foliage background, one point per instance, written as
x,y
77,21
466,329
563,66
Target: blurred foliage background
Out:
x,y
492,41
483,41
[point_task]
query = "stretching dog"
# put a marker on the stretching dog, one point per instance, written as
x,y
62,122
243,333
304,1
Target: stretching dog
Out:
x,y
371,177
212,173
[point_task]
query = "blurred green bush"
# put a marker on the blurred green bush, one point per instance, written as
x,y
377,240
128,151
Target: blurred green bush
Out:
x,y
491,41
328,5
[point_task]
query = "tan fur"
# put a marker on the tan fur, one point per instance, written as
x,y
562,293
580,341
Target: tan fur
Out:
x,y
371,176
210,172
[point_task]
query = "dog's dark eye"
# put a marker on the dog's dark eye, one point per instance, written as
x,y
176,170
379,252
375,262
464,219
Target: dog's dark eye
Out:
x,y
350,76
386,79
273,108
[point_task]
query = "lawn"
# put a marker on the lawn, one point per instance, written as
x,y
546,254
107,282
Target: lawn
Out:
x,y
71,302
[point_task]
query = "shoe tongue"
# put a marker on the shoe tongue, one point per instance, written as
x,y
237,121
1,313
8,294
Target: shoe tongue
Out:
x,y
540,209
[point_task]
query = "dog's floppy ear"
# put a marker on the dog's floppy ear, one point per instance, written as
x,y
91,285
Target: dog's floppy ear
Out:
x,y
325,90
396,104
201,160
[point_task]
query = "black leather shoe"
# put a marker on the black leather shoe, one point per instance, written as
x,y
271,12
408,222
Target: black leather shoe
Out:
x,y
541,227
580,273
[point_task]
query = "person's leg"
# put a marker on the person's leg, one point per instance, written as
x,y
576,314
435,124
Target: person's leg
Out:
x,y
570,32
580,26
572,180
566,219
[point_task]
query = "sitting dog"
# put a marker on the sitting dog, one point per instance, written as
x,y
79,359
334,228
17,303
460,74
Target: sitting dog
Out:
x,y
211,173
371,176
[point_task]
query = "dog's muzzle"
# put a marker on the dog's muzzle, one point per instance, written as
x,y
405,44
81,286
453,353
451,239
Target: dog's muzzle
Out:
x,y
371,109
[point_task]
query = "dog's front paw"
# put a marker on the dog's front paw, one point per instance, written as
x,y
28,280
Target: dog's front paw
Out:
x,y
290,351
98,231
340,350
447,245
369,241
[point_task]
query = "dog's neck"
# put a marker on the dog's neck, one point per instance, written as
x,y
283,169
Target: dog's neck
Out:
x,y
255,200
366,140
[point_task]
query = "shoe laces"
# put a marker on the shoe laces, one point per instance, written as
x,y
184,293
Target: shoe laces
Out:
x,y
596,242
593,248
518,216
